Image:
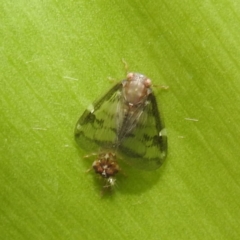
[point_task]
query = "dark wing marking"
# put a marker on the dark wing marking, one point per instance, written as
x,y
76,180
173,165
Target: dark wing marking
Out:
x,y
97,126
146,146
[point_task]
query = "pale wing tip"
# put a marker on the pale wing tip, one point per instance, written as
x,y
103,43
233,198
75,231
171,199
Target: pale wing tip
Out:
x,y
163,132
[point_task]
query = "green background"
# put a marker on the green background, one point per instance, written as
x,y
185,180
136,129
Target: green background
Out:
x,y
56,57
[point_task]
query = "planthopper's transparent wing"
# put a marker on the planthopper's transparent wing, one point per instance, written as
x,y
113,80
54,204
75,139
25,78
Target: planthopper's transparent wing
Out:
x,y
96,128
146,146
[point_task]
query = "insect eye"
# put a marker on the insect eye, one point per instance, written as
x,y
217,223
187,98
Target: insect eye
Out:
x,y
130,76
148,83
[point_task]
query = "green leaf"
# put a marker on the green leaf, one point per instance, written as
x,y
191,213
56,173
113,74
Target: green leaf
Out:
x,y
55,60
